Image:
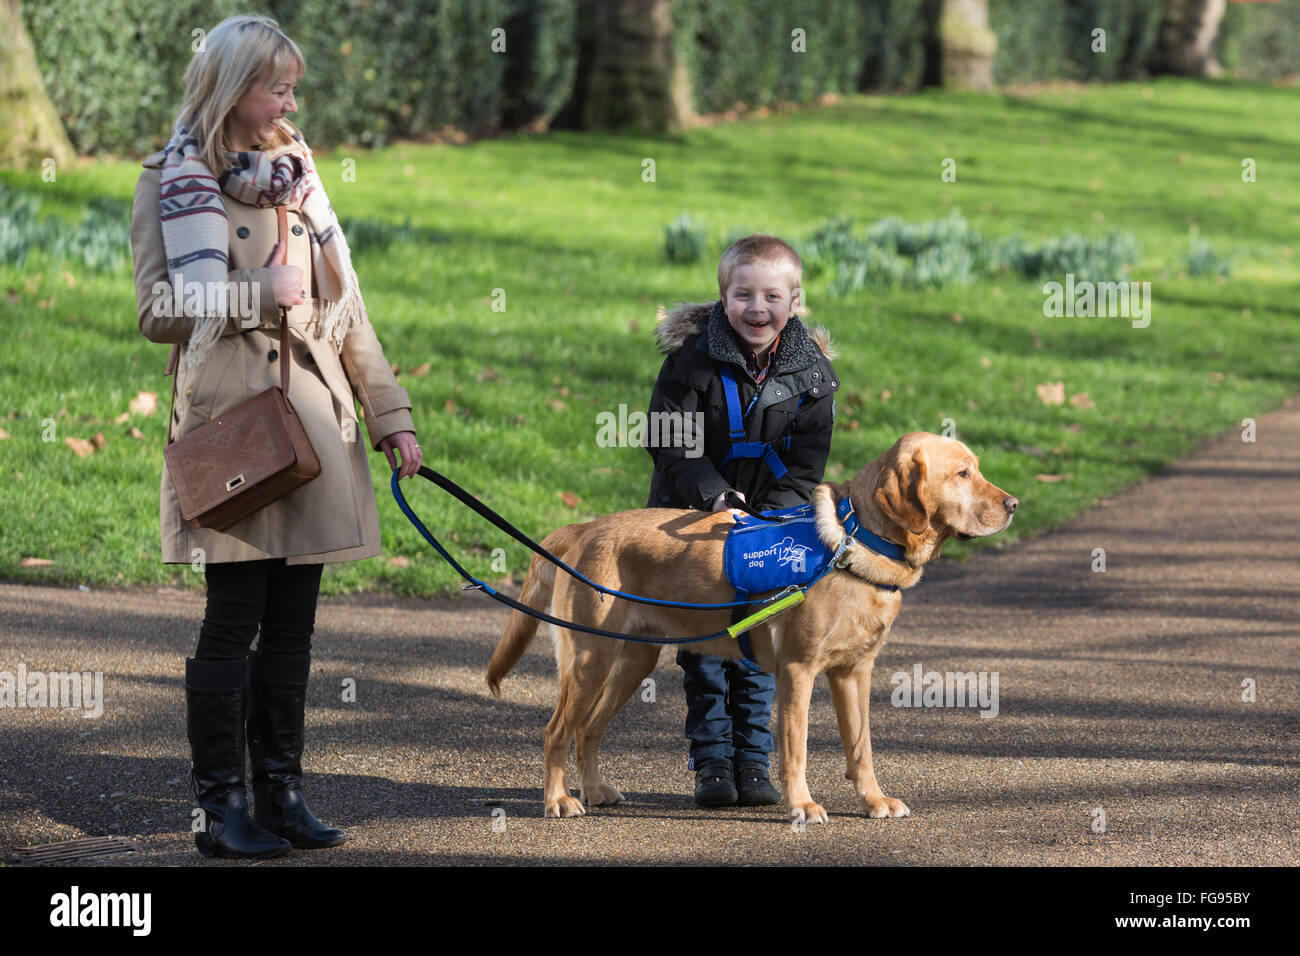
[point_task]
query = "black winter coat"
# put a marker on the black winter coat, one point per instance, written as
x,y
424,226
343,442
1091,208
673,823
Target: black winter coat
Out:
x,y
796,399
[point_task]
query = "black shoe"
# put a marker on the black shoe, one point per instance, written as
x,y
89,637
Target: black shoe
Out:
x,y
754,787
277,699
215,705
714,785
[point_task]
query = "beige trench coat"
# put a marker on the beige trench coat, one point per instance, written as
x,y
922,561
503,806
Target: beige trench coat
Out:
x,y
333,517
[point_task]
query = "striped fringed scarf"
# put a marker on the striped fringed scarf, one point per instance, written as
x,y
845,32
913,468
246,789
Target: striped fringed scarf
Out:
x,y
197,238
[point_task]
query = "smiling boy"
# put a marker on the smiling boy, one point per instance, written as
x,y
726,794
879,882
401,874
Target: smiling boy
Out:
x,y
764,384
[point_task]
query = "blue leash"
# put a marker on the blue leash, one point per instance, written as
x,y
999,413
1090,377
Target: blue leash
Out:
x,y
460,494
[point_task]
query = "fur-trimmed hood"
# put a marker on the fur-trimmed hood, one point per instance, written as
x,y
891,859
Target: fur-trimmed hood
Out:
x,y
692,318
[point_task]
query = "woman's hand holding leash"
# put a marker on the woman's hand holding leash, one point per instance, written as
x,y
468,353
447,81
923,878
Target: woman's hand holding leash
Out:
x,y
412,454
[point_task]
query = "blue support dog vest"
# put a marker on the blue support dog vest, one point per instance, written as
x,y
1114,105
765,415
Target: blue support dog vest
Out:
x,y
787,553
761,556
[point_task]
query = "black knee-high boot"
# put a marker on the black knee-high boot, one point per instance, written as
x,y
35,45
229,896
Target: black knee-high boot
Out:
x,y
216,703
278,698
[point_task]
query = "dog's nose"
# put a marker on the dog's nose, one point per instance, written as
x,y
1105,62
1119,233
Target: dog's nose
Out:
x,y
1010,503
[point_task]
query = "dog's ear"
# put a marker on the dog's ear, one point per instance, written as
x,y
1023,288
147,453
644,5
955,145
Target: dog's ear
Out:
x,y
901,493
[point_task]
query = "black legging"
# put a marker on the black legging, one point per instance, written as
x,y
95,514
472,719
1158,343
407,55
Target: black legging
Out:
x,y
243,594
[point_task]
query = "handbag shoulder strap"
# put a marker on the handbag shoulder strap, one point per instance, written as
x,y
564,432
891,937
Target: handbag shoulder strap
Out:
x,y
282,226
282,229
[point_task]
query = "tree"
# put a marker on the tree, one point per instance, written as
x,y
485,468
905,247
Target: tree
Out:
x,y
1185,41
30,129
959,45
628,74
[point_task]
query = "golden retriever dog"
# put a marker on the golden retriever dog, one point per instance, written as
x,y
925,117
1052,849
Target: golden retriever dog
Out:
x,y
922,491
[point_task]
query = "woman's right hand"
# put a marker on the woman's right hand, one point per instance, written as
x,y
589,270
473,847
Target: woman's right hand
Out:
x,y
286,281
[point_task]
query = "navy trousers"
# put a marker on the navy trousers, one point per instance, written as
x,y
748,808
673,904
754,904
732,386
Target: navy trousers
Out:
x,y
728,709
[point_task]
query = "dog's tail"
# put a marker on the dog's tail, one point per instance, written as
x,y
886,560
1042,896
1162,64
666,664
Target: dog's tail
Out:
x,y
539,585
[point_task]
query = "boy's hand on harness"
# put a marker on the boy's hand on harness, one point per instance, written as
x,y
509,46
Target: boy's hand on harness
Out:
x,y
720,503
412,455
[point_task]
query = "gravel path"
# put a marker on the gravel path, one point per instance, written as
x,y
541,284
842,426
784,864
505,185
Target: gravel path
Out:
x,y
1120,702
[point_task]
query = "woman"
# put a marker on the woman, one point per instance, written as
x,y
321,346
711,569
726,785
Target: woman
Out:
x,y
204,226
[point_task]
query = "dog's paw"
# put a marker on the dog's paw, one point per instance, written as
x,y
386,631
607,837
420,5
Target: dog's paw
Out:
x,y
601,795
565,806
808,813
880,807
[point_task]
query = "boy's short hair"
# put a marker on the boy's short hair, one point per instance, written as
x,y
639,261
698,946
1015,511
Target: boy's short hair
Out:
x,y
758,248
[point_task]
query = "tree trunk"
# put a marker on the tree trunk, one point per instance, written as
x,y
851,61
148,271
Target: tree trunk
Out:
x,y
1185,43
628,74
959,45
30,129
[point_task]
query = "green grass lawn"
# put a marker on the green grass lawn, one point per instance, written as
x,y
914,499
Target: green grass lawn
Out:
x,y
565,225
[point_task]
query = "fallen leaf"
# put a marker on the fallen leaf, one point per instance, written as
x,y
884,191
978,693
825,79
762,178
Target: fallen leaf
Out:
x,y
487,374
957,317
145,403
418,370
3,434
517,420
1052,393
400,561
35,562
396,369
449,407
886,395
80,446
986,361
44,303
135,432
570,499
12,295
1081,400
122,419
1052,478
99,441
556,404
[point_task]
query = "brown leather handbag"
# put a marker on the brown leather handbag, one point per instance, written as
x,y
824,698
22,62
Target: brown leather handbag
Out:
x,y
246,457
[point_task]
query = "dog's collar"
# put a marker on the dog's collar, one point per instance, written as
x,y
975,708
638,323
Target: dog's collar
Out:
x,y
860,533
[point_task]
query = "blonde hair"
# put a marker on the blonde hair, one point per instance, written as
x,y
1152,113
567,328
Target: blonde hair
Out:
x,y
239,52
760,249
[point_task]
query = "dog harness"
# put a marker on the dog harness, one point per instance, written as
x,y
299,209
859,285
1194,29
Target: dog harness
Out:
x,y
785,552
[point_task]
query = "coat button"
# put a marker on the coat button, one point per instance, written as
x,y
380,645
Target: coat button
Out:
x,y
815,390
272,355
665,499
242,232
297,230
817,374
189,391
